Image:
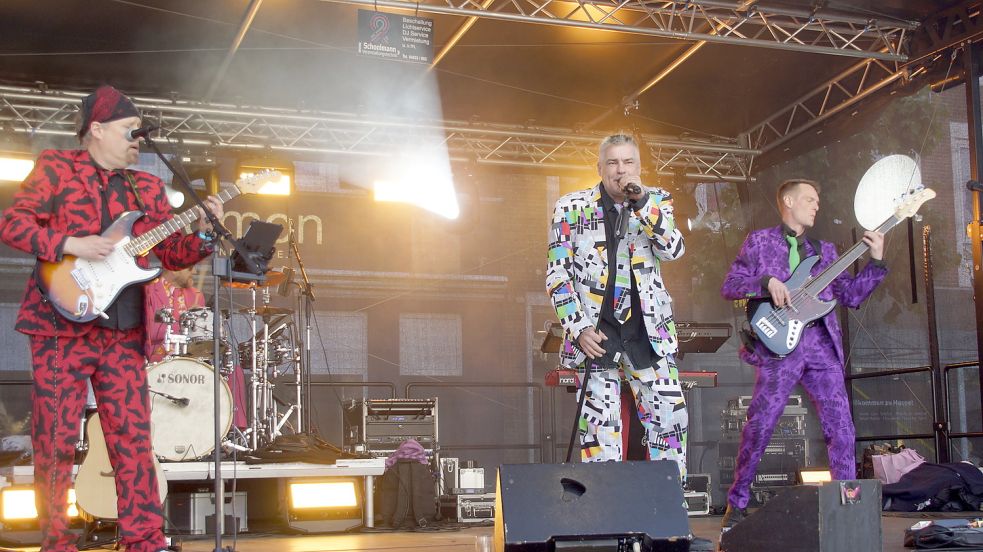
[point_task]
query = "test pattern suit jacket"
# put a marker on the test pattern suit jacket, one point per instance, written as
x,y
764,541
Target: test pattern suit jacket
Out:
x,y
577,268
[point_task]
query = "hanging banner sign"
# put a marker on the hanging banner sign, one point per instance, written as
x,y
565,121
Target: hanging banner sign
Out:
x,y
393,36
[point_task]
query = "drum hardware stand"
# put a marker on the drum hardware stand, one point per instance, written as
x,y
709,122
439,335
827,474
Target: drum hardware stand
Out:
x,y
221,267
232,443
296,407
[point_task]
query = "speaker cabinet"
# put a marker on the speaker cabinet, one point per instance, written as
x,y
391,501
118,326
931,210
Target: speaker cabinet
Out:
x,y
590,507
837,516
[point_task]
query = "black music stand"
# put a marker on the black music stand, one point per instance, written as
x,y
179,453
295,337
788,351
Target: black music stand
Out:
x,y
248,263
258,244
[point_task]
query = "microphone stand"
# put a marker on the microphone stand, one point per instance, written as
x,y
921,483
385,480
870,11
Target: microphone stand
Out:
x,y
307,290
221,266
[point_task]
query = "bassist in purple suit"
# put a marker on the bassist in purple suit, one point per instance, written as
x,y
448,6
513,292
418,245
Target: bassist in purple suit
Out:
x,y
767,260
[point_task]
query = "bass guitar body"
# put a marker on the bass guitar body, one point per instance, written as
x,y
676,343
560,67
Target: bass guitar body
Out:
x,y
780,329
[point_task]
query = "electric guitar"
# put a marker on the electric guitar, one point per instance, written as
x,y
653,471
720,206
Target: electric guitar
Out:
x,y
780,329
81,290
95,483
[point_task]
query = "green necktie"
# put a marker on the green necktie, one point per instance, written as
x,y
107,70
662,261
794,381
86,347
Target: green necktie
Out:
x,y
793,252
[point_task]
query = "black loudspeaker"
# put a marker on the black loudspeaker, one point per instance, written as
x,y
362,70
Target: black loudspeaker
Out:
x,y
591,506
837,516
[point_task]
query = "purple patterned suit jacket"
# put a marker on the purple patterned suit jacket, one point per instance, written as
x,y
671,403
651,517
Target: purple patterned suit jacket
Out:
x,y
766,252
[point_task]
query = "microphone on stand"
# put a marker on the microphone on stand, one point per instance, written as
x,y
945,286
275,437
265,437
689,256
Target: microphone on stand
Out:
x,y
283,289
135,134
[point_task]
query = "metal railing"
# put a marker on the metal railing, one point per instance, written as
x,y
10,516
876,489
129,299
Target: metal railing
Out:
x,y
940,427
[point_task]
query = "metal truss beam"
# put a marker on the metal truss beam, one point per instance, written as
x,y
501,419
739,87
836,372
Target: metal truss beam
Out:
x,y
818,31
826,100
210,127
948,28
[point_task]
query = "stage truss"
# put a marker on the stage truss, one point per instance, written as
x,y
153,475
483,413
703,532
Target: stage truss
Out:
x,y
748,23
201,128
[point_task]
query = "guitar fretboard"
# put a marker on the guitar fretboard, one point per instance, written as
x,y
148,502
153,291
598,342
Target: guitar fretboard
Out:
x,y
143,244
826,277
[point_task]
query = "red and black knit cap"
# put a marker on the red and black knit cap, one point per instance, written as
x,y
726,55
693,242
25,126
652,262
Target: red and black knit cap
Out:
x,y
104,105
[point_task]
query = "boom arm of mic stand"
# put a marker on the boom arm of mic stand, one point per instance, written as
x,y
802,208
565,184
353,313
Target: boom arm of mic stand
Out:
x,y
307,288
220,229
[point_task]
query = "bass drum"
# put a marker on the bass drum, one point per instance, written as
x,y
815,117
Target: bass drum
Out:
x,y
182,408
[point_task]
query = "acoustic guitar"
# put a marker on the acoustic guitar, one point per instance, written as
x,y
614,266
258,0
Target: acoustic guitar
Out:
x,y
95,483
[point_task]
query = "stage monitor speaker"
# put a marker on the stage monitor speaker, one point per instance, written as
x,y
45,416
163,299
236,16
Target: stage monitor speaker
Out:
x,y
597,506
837,516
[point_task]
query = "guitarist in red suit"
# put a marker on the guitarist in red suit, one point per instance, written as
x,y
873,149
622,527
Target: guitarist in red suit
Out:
x,y
69,198
765,262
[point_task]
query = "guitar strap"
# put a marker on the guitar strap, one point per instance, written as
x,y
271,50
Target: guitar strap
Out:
x,y
133,187
816,248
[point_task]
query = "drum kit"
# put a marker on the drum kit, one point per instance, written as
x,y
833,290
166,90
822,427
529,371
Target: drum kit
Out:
x,y
181,384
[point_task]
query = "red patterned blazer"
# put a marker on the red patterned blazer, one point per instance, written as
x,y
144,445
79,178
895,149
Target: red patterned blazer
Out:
x,y
62,197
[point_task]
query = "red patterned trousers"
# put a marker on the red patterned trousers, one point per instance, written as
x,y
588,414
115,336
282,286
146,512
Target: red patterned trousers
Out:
x,y
113,359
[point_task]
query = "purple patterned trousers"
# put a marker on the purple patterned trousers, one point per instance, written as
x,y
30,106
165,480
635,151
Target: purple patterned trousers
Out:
x,y
815,364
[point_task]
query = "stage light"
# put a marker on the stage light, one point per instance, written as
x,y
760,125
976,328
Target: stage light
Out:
x,y
331,494
280,187
18,504
15,169
815,476
323,506
427,185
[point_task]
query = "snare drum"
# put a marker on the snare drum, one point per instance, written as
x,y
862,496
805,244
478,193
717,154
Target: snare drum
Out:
x,y
182,408
196,326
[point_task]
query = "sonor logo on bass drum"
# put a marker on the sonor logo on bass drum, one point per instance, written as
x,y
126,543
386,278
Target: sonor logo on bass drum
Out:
x,y
195,379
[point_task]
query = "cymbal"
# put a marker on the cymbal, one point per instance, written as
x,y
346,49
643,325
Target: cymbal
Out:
x,y
267,311
273,278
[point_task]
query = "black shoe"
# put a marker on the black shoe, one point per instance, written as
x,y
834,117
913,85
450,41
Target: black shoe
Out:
x,y
732,517
696,544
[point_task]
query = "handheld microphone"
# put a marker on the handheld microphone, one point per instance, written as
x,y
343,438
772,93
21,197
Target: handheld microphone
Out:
x,y
136,133
632,188
974,186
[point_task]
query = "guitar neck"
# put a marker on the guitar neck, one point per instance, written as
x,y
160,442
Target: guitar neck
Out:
x,y
146,242
826,277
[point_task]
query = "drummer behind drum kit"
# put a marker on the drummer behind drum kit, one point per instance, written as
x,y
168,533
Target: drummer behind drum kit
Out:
x,y
182,399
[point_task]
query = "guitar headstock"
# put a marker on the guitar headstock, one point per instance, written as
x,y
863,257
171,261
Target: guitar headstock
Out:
x,y
253,183
912,202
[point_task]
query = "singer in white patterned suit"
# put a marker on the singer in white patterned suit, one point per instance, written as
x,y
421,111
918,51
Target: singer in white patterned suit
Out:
x,y
607,244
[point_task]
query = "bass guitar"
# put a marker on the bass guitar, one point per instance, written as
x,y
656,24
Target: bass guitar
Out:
x,y
95,483
82,290
780,329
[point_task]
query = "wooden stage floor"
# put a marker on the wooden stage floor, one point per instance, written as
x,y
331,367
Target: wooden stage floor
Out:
x,y
464,539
